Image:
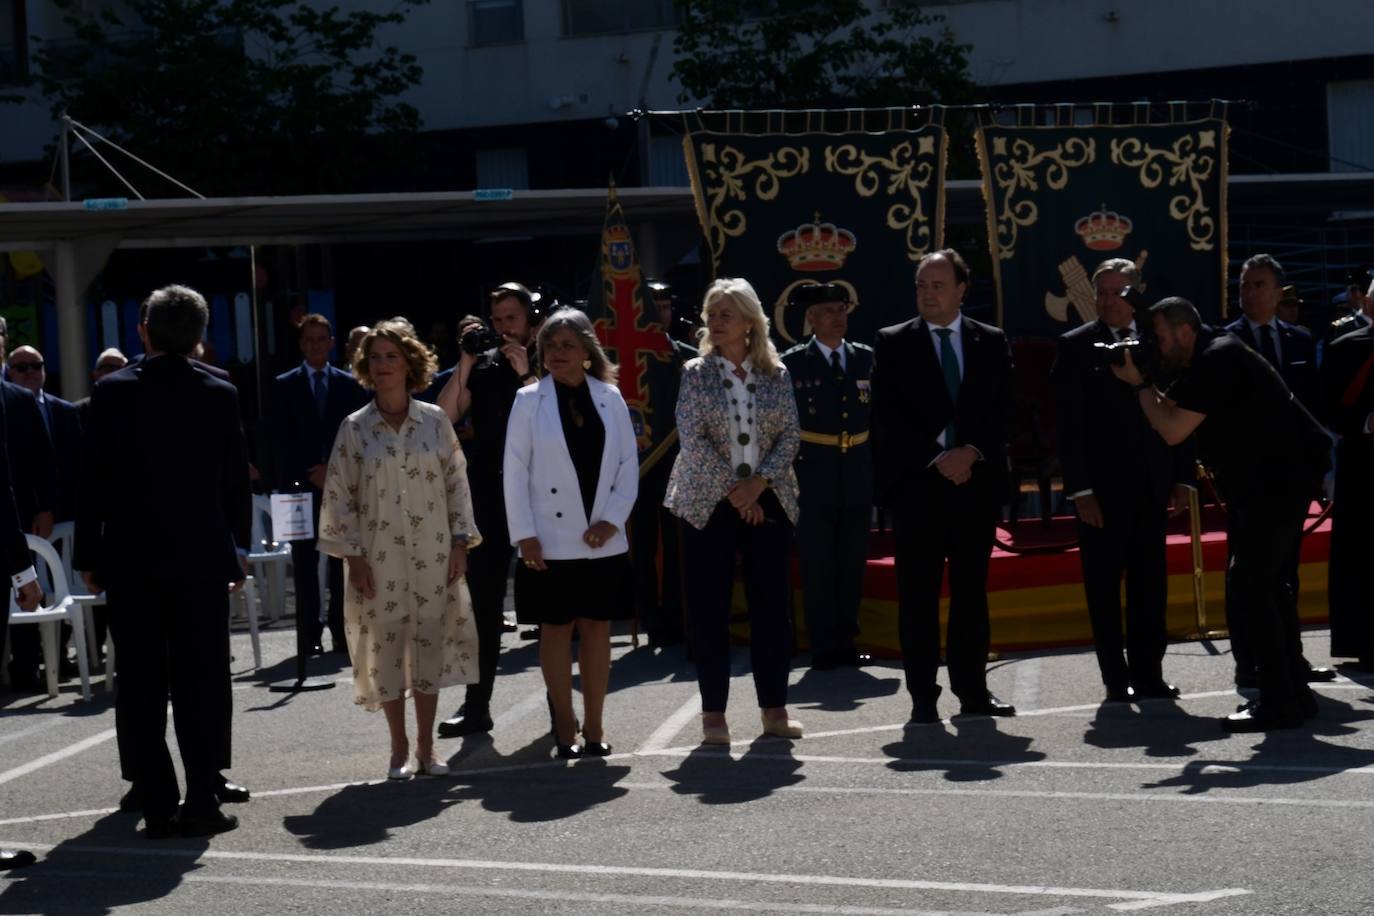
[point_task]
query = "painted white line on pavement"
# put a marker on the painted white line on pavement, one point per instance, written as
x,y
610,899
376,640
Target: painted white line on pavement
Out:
x,y
634,901
1159,898
673,724
55,756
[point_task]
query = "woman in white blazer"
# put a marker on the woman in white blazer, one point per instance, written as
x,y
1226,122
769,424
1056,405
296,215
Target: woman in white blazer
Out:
x,y
571,477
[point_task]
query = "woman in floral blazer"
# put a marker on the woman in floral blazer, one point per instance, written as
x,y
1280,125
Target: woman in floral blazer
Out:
x,y
734,490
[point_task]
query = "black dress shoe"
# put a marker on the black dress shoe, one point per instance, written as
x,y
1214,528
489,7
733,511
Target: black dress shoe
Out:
x,y
1317,675
853,659
16,858
989,707
159,828
509,626
1120,695
465,724
596,749
1158,690
529,633
569,751
924,712
317,649
131,802
231,792
207,823
1256,717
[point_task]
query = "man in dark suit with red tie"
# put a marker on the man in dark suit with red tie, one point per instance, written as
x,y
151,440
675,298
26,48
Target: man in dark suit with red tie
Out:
x,y
19,576
166,426
942,405
1123,480
308,405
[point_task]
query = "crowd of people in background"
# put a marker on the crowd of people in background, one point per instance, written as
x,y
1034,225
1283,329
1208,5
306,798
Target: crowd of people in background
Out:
x,y
430,488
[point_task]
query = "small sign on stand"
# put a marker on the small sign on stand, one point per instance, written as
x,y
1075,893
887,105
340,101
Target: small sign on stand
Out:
x,y
292,517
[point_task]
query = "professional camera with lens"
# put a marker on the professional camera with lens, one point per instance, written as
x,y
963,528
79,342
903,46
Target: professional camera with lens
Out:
x,y
1143,347
479,340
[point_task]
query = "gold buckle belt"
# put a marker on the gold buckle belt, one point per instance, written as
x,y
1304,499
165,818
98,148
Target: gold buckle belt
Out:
x,y
842,441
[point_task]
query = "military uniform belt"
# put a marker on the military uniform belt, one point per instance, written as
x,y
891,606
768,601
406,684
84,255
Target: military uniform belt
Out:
x,y
842,441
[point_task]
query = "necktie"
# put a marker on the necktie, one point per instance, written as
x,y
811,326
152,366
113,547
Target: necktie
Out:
x,y
835,366
1267,345
320,392
949,364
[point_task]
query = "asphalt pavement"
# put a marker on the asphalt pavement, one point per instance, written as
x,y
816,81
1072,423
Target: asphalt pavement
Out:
x,y
1074,806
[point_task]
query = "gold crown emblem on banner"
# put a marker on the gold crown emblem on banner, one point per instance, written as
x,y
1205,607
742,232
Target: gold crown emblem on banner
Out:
x,y
1104,230
816,246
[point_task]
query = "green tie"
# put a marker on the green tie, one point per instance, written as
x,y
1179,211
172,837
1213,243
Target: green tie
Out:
x,y
949,362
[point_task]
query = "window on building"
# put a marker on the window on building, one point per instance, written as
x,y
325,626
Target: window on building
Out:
x,y
598,17
495,22
1350,116
667,165
14,49
503,168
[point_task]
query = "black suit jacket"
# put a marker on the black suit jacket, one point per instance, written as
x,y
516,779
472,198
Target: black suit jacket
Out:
x,y
1105,443
1348,389
65,427
164,489
1297,358
14,550
300,436
33,463
912,406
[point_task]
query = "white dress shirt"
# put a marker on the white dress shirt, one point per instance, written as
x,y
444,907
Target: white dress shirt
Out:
x,y
740,410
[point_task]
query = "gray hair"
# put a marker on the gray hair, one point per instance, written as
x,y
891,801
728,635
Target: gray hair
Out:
x,y
577,322
176,317
1123,266
1266,261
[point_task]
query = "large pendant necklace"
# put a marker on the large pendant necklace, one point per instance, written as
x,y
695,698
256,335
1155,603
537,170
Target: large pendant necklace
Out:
x,y
736,390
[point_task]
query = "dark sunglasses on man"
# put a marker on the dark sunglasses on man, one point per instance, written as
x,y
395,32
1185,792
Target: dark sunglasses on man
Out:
x,y
30,366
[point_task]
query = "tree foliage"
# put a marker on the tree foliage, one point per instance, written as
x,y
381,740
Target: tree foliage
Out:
x,y
235,96
816,54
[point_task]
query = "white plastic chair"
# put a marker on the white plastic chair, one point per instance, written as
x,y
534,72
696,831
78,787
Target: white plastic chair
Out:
x,y
49,617
267,559
64,536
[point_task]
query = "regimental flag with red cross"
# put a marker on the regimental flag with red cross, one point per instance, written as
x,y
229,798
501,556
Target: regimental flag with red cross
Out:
x,y
627,327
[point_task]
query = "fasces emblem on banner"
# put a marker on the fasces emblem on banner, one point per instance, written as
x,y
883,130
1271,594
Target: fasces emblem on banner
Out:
x,y
1063,199
856,207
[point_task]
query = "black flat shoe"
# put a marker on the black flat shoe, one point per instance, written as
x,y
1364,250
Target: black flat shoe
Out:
x,y
465,724
596,749
1120,695
1317,675
231,792
1156,691
569,751
16,858
989,707
207,824
1256,717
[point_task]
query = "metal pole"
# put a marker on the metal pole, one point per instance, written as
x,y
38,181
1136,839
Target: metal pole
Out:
x,y
64,151
71,322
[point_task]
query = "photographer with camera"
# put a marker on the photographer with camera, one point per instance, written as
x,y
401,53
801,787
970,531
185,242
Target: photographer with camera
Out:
x,y
495,364
1124,482
1247,423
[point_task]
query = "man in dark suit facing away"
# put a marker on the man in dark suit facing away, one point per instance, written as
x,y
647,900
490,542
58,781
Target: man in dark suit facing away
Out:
x,y
19,576
1123,480
308,404
942,404
164,506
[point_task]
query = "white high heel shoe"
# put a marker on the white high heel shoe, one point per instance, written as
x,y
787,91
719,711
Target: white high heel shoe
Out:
x,y
431,768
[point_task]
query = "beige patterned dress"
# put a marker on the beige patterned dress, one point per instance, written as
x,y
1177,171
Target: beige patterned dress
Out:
x,y
401,499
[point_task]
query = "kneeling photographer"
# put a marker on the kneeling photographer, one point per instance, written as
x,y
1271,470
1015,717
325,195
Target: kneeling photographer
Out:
x,y
1247,423
494,365
1124,481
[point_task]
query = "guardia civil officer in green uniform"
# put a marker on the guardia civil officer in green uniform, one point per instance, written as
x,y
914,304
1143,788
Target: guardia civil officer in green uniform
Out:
x,y
830,377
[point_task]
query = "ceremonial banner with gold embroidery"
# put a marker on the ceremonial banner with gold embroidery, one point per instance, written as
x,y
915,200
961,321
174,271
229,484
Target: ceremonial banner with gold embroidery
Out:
x,y
1061,200
853,198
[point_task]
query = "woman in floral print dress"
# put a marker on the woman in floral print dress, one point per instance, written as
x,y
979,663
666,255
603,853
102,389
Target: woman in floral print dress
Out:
x,y
397,509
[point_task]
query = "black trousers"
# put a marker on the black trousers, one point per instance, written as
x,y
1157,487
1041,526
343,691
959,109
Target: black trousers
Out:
x,y
1238,620
172,638
1131,542
305,559
658,595
488,575
936,523
832,543
709,558
1264,533
1352,547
